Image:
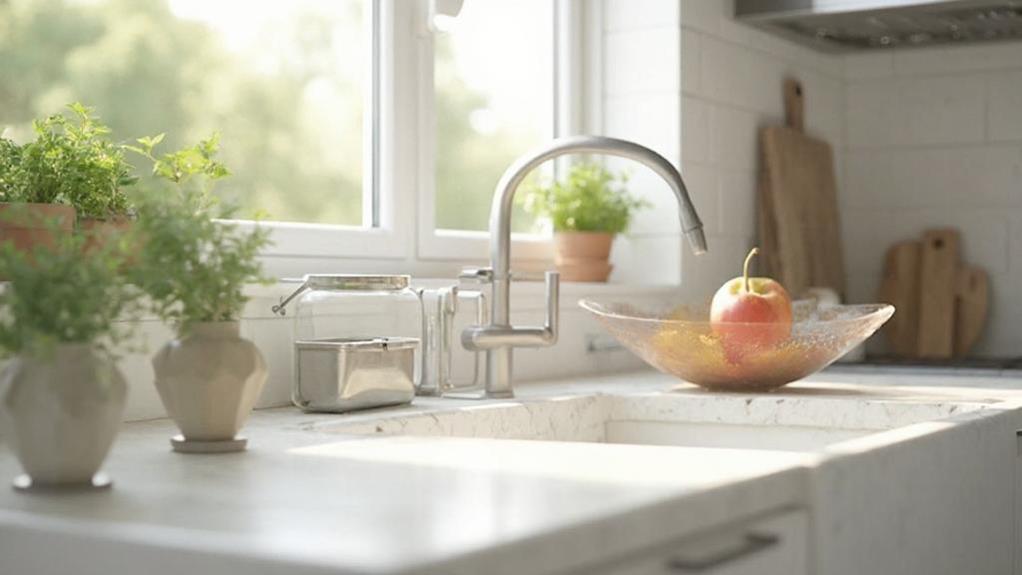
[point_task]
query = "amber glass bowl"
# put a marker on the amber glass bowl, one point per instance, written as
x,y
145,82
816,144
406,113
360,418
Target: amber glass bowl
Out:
x,y
680,340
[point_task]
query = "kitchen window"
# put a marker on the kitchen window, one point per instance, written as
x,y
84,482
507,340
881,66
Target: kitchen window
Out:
x,y
284,87
496,93
493,100
349,123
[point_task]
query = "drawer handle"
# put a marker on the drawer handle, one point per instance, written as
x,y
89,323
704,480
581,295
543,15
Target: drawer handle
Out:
x,y
751,543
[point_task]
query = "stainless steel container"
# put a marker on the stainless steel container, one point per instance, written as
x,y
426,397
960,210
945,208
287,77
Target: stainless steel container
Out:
x,y
358,341
345,374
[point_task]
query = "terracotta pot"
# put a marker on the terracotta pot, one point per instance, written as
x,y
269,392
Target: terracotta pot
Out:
x,y
582,256
61,413
209,381
31,225
98,233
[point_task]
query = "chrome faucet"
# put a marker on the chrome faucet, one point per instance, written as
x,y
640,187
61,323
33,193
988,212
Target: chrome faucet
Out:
x,y
499,337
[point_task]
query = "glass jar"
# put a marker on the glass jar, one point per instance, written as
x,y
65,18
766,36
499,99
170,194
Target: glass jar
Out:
x,y
358,341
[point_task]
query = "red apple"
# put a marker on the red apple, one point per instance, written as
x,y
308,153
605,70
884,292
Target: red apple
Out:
x,y
750,314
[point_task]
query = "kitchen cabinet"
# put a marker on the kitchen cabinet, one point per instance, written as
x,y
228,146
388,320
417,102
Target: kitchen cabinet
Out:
x,y
775,545
1018,502
939,503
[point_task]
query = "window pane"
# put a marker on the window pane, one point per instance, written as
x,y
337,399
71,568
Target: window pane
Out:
x,y
282,82
494,100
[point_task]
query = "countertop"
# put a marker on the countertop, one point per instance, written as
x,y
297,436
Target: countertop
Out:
x,y
307,499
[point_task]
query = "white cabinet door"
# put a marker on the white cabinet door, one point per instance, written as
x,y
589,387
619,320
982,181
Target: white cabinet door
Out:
x,y
1018,503
772,546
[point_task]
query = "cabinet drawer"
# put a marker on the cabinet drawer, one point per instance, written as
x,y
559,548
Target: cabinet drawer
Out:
x,y
776,545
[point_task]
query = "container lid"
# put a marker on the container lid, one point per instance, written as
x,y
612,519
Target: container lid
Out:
x,y
357,282
360,344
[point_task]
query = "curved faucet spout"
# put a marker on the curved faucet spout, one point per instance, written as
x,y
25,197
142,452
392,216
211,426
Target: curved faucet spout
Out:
x,y
503,198
499,337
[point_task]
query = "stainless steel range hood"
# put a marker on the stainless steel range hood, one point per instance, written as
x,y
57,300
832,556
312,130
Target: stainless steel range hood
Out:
x,y
845,25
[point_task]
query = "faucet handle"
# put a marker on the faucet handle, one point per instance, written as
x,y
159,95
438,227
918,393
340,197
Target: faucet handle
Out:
x,y
477,275
553,306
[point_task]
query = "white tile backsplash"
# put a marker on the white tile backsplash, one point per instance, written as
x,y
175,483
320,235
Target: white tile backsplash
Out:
x,y
734,137
965,59
1015,247
703,275
639,14
1004,107
274,337
703,183
984,176
691,62
739,88
695,129
871,114
869,65
934,139
653,119
941,110
647,259
738,203
642,60
922,138
702,15
915,111
742,77
729,86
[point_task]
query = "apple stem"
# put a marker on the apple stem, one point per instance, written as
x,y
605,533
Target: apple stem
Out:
x,y
745,269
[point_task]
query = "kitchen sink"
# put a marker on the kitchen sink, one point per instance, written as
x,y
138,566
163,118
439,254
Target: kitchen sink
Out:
x,y
768,422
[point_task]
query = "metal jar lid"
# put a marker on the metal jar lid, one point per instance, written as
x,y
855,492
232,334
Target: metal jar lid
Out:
x,y
357,282
359,344
346,282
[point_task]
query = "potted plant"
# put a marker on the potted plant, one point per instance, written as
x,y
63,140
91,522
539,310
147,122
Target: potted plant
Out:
x,y
61,393
99,193
587,210
194,268
71,167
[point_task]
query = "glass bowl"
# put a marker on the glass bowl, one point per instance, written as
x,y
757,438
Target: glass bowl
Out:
x,y
680,340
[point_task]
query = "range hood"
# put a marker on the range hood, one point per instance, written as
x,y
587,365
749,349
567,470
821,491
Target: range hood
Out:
x,y
846,25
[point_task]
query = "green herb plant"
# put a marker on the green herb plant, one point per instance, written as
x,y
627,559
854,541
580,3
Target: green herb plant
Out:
x,y
590,199
193,265
62,294
71,161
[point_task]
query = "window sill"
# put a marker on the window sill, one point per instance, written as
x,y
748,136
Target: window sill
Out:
x,y
526,295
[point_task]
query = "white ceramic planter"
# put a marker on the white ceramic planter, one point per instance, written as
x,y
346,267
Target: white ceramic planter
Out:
x,y
209,381
61,413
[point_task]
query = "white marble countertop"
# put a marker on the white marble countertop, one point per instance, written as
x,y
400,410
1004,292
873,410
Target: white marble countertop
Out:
x,y
307,499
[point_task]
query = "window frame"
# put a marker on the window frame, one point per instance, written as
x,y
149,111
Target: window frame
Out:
x,y
383,233
531,250
398,232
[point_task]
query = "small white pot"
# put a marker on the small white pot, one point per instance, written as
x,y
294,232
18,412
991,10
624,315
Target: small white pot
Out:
x,y
209,381
61,412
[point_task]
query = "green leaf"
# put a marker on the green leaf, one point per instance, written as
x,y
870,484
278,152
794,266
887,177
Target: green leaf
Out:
x,y
71,161
65,293
591,198
193,268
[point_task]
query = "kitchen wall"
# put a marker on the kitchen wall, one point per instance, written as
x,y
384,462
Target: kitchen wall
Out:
x,y
922,138
583,346
685,78
934,138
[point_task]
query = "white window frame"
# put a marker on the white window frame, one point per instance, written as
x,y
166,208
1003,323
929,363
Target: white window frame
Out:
x,y
382,234
567,98
399,170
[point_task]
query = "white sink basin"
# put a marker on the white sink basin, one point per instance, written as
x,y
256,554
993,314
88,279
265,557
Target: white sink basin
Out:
x,y
798,424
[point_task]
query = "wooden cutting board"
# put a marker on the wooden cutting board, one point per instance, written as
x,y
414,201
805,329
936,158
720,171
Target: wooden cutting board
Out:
x,y
900,288
971,288
938,271
799,222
